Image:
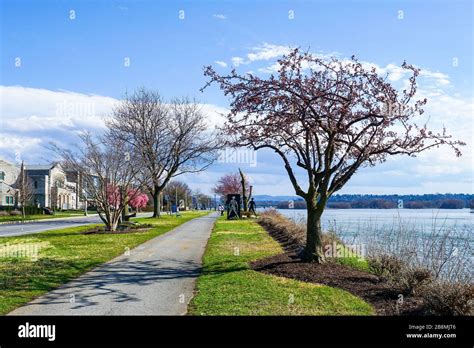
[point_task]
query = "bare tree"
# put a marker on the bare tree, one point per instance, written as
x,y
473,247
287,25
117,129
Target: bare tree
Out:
x,y
25,189
180,190
170,139
326,118
202,200
110,174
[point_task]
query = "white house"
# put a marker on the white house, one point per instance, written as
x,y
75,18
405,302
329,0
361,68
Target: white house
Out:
x,y
8,176
53,187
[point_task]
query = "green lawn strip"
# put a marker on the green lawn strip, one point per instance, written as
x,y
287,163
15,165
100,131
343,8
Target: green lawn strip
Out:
x,y
64,255
359,263
39,216
351,259
228,286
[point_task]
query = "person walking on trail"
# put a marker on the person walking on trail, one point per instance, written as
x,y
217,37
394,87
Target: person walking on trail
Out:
x,y
221,209
252,207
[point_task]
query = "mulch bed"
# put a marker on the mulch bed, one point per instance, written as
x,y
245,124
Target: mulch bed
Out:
x,y
378,292
123,231
381,294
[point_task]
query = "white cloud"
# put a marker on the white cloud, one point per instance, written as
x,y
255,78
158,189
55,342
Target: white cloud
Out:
x,y
267,51
221,63
456,114
219,16
236,61
33,117
13,143
264,52
439,78
32,109
395,72
214,114
270,69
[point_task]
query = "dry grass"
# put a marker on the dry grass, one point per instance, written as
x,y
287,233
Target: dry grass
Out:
x,y
442,298
290,234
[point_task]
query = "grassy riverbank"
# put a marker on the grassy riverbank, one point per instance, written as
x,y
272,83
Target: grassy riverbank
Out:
x,y
62,255
228,286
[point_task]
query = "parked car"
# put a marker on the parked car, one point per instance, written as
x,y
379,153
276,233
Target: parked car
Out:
x,y
48,211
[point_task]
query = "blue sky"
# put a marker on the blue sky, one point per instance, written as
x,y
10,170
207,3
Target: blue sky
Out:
x,y
81,61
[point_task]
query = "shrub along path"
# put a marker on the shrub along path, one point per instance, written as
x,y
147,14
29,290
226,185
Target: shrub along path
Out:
x,y
156,277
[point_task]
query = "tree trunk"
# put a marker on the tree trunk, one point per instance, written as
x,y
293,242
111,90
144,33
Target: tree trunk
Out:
x,y
156,201
314,249
244,189
126,208
103,218
113,226
115,218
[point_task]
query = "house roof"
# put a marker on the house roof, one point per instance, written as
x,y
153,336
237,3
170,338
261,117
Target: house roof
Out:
x,y
41,166
31,166
6,187
38,166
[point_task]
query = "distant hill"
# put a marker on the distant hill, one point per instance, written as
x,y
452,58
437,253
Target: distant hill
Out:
x,y
436,200
268,198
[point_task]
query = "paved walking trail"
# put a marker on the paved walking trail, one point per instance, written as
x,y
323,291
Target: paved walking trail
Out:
x,y
156,278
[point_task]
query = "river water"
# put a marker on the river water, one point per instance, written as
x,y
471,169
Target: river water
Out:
x,y
349,221
428,236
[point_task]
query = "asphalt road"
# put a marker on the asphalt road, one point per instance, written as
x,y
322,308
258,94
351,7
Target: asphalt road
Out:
x,y
155,278
18,229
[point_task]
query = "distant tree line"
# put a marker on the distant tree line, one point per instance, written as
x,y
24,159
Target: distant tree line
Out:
x,y
428,201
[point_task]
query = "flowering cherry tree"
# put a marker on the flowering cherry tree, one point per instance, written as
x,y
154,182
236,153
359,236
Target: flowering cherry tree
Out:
x,y
326,119
138,199
135,198
228,184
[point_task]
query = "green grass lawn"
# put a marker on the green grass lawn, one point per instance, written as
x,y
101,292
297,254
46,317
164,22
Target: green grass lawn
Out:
x,y
64,255
40,216
228,286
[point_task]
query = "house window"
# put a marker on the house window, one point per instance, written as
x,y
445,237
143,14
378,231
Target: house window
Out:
x,y
36,184
2,175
